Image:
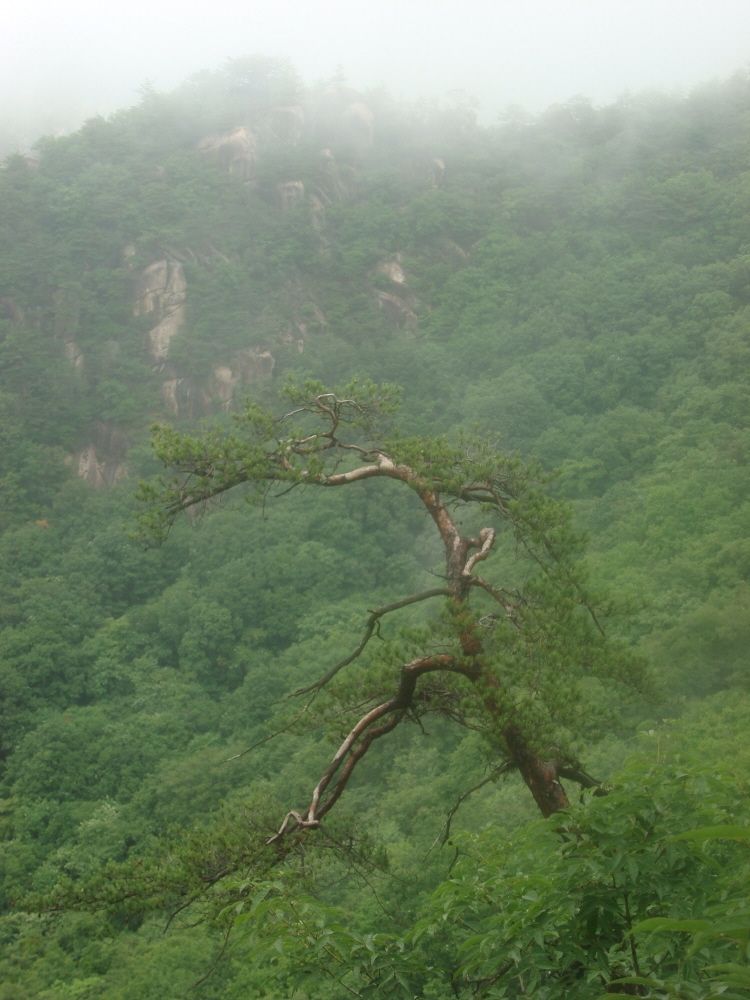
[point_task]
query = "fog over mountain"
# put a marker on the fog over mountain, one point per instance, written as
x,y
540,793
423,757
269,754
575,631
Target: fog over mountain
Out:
x,y
65,61
304,747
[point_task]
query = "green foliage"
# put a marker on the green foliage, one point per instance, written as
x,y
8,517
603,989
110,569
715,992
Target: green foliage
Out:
x,y
726,929
576,287
607,896
544,671
560,908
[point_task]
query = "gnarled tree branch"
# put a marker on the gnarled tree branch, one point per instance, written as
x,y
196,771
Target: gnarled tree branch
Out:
x,y
445,476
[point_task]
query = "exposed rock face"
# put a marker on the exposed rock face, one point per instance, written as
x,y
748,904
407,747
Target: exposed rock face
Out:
x,y
398,311
249,365
98,472
169,395
161,291
454,248
331,181
398,301
186,398
254,365
330,189
100,463
73,353
392,269
287,193
223,382
160,335
156,284
342,116
234,151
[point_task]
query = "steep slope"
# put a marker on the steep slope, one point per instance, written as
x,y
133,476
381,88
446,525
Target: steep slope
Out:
x,y
578,284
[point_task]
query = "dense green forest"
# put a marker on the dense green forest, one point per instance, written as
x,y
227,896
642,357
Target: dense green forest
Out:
x,y
572,288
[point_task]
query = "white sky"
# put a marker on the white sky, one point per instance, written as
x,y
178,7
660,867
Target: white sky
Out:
x,y
63,60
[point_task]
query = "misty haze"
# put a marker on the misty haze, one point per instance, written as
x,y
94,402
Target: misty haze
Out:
x,y
374,566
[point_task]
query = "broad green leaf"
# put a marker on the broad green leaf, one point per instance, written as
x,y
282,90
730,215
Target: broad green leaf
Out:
x,y
715,833
667,924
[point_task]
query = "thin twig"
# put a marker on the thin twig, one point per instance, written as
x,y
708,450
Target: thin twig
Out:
x,y
218,959
267,739
369,628
446,828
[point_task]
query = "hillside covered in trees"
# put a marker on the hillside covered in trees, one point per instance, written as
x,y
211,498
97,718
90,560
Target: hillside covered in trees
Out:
x,y
573,287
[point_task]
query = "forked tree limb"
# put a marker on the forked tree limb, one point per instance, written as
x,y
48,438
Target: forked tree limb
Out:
x,y
356,755
486,540
358,741
442,477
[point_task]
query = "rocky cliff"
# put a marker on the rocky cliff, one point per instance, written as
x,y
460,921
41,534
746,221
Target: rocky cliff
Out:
x,y
211,314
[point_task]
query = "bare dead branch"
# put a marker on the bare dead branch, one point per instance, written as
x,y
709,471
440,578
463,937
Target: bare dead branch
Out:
x,y
267,739
410,674
359,740
362,726
356,755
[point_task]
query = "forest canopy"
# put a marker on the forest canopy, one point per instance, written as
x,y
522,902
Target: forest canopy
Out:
x,y
563,301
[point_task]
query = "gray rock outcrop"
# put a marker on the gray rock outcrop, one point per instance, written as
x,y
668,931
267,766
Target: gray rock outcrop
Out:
x,y
161,291
234,151
188,398
399,312
287,193
73,353
341,116
101,462
437,172
397,301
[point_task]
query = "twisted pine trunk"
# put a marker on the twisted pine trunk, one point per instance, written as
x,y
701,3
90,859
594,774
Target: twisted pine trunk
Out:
x,y
541,777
